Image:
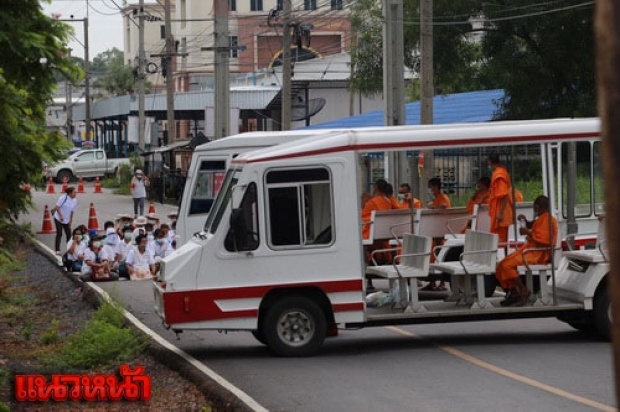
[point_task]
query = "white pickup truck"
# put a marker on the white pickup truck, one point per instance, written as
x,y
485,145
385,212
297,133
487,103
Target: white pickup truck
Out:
x,y
86,163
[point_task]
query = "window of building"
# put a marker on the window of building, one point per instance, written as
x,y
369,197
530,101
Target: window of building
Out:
x,y
280,5
232,5
300,208
162,32
256,5
309,4
336,4
233,42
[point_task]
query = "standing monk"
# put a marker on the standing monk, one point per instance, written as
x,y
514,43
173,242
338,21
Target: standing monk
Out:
x,y
538,236
500,199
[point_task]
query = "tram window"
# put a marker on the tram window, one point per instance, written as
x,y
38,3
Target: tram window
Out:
x,y
583,183
597,174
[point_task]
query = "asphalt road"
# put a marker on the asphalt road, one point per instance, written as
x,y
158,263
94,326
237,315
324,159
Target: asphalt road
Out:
x,y
534,364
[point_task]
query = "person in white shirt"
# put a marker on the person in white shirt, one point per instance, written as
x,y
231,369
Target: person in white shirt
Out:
x,y
140,262
138,186
63,215
74,257
122,251
108,251
96,267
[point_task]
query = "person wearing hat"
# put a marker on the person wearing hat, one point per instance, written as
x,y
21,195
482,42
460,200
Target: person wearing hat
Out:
x,y
139,225
95,267
138,185
154,219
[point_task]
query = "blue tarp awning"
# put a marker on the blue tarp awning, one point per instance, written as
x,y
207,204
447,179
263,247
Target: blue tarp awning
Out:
x,y
479,106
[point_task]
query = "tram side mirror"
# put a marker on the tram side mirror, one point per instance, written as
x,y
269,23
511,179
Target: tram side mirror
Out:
x,y
239,237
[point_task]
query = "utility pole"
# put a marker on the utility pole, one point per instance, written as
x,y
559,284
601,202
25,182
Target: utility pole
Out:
x,y
286,66
69,102
393,77
427,90
141,76
222,78
86,79
170,76
607,25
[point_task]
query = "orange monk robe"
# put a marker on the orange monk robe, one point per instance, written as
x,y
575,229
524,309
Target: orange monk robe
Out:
x,y
379,202
407,203
506,270
499,192
441,201
396,204
518,196
481,198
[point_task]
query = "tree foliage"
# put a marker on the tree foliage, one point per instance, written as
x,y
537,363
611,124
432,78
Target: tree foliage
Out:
x,y
113,75
540,53
455,57
32,49
544,59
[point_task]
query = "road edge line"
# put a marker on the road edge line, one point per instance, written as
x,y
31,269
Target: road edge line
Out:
x,y
205,370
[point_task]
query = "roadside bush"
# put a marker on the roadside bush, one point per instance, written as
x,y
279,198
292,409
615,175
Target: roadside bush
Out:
x,y
104,342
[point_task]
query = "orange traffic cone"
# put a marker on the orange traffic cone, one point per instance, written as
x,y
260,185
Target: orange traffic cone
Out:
x,y
50,186
47,227
64,185
80,187
152,207
93,223
97,186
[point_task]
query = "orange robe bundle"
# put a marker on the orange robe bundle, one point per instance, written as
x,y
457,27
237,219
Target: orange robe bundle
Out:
x,y
506,270
499,192
440,200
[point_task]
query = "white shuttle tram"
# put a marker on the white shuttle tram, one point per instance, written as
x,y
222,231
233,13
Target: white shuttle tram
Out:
x,y
281,254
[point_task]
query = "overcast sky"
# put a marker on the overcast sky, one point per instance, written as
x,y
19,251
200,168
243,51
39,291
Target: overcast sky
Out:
x,y
105,23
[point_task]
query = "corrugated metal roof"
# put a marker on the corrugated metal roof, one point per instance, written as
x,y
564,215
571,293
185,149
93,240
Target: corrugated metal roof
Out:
x,y
479,106
255,98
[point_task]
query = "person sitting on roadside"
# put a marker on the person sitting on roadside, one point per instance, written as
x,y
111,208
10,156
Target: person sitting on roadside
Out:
x,y
139,225
140,263
160,245
74,257
96,267
166,229
538,236
112,237
406,199
153,219
148,231
122,251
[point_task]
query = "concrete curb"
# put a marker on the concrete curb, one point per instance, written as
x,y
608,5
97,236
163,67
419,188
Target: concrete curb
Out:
x,y
222,392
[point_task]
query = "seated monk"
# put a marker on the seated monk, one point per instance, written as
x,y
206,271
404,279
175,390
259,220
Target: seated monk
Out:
x,y
537,236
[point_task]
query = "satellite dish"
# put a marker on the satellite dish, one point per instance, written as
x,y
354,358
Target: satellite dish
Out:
x,y
314,106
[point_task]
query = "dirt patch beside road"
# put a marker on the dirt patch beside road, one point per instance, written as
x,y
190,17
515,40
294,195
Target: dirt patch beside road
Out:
x,y
45,303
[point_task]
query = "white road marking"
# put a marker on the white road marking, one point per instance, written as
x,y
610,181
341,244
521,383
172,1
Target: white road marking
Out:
x,y
508,374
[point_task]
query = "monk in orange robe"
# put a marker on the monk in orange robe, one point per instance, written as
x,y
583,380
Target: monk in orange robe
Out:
x,y
481,195
382,200
500,199
408,201
438,199
537,236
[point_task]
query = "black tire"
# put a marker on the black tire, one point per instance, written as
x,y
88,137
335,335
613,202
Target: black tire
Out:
x,y
294,327
602,312
259,336
62,174
583,325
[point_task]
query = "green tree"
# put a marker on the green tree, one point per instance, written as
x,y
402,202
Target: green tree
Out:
x,y
456,59
542,55
113,75
32,49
